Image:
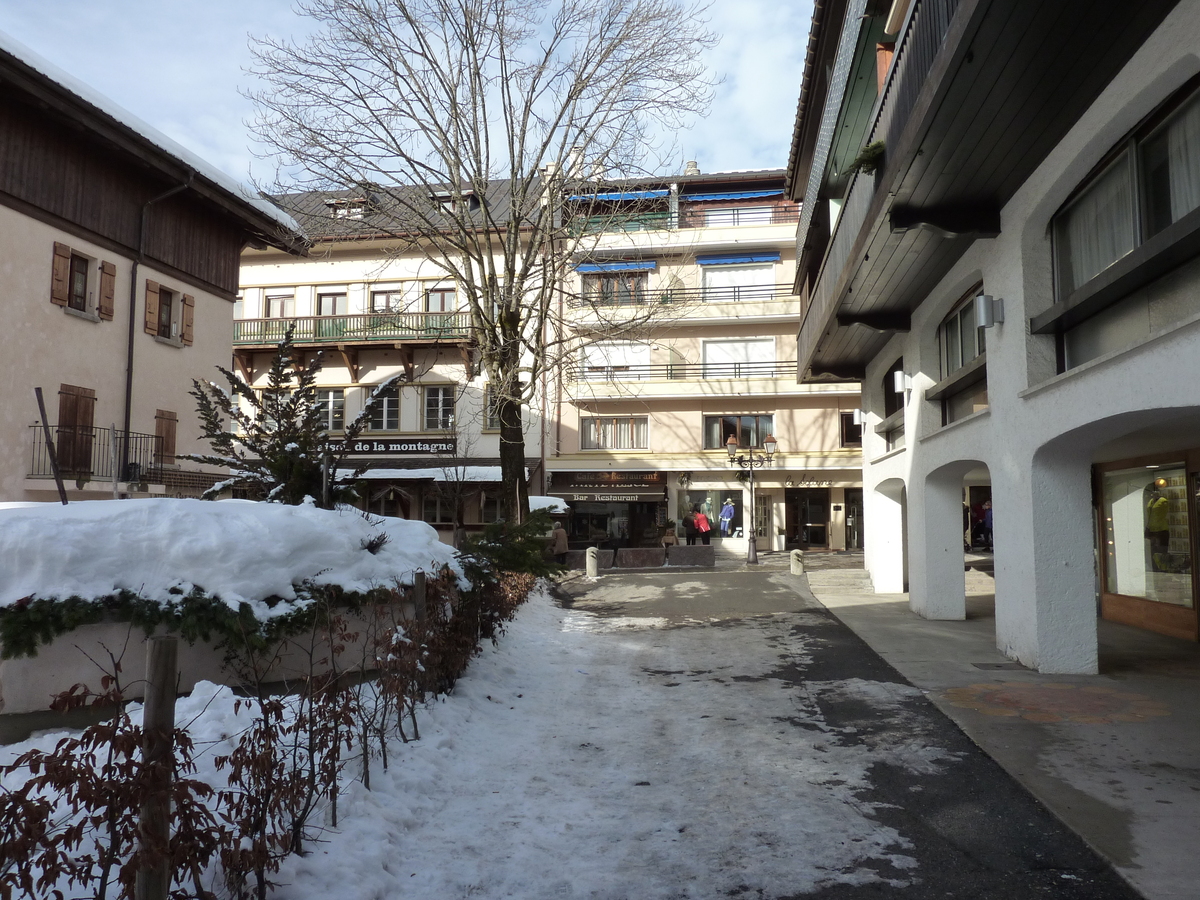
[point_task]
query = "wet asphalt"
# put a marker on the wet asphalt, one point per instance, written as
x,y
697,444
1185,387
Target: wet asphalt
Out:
x,y
974,831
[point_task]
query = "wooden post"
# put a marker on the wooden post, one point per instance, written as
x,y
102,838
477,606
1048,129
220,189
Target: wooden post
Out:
x,y
62,491
419,595
158,729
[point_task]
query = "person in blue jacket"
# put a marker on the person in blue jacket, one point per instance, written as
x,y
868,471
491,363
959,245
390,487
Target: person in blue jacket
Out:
x,y
726,517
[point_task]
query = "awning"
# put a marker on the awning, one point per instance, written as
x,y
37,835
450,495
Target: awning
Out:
x,y
733,195
641,266
613,494
623,195
730,259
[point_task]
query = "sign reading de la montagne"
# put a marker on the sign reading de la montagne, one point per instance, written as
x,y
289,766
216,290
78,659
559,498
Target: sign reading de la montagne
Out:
x,y
403,446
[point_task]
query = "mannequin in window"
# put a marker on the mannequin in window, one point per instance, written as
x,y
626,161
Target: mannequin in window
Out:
x,y
726,517
1158,529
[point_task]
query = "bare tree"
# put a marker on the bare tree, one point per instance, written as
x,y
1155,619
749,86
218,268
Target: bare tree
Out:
x,y
484,134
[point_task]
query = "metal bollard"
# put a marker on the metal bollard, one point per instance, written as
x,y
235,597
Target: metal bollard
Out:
x,y
593,562
797,562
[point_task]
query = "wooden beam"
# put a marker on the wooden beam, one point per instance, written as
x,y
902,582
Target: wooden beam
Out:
x,y
468,361
981,220
882,321
350,358
407,360
245,365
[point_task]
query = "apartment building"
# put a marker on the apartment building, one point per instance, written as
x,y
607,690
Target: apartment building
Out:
x,y
642,420
120,274
1014,280
378,309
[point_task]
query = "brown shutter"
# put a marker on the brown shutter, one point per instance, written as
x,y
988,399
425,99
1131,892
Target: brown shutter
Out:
x,y
108,291
76,414
151,307
60,274
189,308
165,423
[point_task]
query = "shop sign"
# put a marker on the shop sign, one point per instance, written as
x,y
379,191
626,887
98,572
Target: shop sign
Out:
x,y
614,480
609,498
392,446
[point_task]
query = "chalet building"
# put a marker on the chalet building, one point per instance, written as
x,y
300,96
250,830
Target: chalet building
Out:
x,y
120,274
377,309
643,421
1001,242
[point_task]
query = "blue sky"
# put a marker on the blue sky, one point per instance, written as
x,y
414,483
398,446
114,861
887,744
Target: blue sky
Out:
x,y
179,65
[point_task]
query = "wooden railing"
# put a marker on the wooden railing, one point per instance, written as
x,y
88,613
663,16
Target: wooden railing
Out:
x,y
378,326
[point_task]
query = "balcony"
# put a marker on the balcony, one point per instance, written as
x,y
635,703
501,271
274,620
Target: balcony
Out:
x,y
736,216
685,371
85,454
380,327
750,293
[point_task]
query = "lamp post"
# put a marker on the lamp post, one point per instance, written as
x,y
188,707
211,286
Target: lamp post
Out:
x,y
751,461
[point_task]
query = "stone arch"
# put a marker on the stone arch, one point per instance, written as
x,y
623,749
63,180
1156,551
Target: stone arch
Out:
x,y
938,586
885,526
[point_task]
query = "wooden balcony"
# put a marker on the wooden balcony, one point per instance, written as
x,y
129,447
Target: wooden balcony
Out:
x,y
356,330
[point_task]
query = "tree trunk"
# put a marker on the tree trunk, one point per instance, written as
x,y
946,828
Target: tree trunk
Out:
x,y
514,504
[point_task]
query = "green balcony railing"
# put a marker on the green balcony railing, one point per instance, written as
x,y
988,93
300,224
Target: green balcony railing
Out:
x,y
379,326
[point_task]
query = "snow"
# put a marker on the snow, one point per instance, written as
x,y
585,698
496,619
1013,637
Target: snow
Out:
x,y
551,503
153,135
481,474
574,761
238,550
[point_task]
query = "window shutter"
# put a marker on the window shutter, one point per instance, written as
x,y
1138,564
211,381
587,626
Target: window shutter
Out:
x,y
108,290
76,413
165,423
189,312
60,274
151,325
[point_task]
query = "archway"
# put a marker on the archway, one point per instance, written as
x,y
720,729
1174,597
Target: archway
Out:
x,y
885,526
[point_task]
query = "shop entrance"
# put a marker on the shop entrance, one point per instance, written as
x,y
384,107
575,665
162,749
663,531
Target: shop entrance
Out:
x,y
616,525
807,511
854,518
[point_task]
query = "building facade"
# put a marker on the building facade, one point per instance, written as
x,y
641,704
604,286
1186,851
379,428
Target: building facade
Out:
x,y
1016,284
702,266
378,310
120,274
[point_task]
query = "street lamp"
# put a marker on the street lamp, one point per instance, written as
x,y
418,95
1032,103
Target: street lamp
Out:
x,y
751,461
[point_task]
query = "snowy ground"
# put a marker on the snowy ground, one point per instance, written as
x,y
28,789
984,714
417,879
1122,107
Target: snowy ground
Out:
x,y
591,757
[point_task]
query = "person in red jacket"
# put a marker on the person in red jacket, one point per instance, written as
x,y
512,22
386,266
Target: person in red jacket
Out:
x,y
702,525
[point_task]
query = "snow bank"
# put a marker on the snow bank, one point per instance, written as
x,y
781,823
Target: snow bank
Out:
x,y
238,550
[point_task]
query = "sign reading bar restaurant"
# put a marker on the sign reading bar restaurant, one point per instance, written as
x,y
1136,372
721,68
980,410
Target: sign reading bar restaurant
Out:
x,y
401,446
568,480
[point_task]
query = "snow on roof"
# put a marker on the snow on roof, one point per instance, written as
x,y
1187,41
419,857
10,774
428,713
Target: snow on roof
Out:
x,y
106,106
549,503
238,550
478,474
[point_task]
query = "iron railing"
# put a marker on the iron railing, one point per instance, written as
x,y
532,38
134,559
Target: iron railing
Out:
x,y
88,453
712,217
685,371
377,326
730,294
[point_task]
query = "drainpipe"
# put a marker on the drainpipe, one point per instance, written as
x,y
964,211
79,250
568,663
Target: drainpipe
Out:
x,y
133,271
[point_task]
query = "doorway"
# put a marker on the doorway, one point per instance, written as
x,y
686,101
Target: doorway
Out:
x,y
808,517
854,518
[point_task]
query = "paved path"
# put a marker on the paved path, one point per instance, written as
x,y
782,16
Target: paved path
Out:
x,y
875,792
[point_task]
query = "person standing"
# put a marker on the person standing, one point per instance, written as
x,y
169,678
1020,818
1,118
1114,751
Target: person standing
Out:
x,y
727,514
703,526
689,527
559,547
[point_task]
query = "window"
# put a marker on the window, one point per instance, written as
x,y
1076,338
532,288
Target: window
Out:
x,y
961,339
332,405
239,307
893,400
332,304
739,282
1145,532
387,301
165,424
77,295
166,301
614,433
347,207
490,510
737,359
749,431
607,359
491,414
440,300
386,414
850,431
437,510
615,288
281,306
1150,182
439,408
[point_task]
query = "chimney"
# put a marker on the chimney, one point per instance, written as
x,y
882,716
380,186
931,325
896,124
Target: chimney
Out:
x,y
690,168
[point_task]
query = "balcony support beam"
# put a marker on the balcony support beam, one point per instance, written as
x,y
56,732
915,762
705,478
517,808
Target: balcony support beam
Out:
x,y
407,360
350,359
245,365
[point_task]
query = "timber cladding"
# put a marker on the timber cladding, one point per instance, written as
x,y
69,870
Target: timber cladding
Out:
x,y
64,171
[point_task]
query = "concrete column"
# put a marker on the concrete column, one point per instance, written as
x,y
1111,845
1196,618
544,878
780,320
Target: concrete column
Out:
x,y
937,585
884,537
837,518
1045,564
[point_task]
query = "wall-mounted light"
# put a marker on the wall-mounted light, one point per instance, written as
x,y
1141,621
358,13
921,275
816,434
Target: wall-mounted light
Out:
x,y
858,417
988,310
901,381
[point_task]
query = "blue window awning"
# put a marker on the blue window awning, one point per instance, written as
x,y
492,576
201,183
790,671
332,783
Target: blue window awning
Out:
x,y
639,266
733,195
731,259
623,195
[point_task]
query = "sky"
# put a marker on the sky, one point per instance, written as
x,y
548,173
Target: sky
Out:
x,y
179,66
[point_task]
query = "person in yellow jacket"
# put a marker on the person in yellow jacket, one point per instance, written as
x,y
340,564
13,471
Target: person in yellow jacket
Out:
x,y
1158,530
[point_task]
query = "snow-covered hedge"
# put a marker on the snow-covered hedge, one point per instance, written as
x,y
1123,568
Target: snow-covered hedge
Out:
x,y
264,559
